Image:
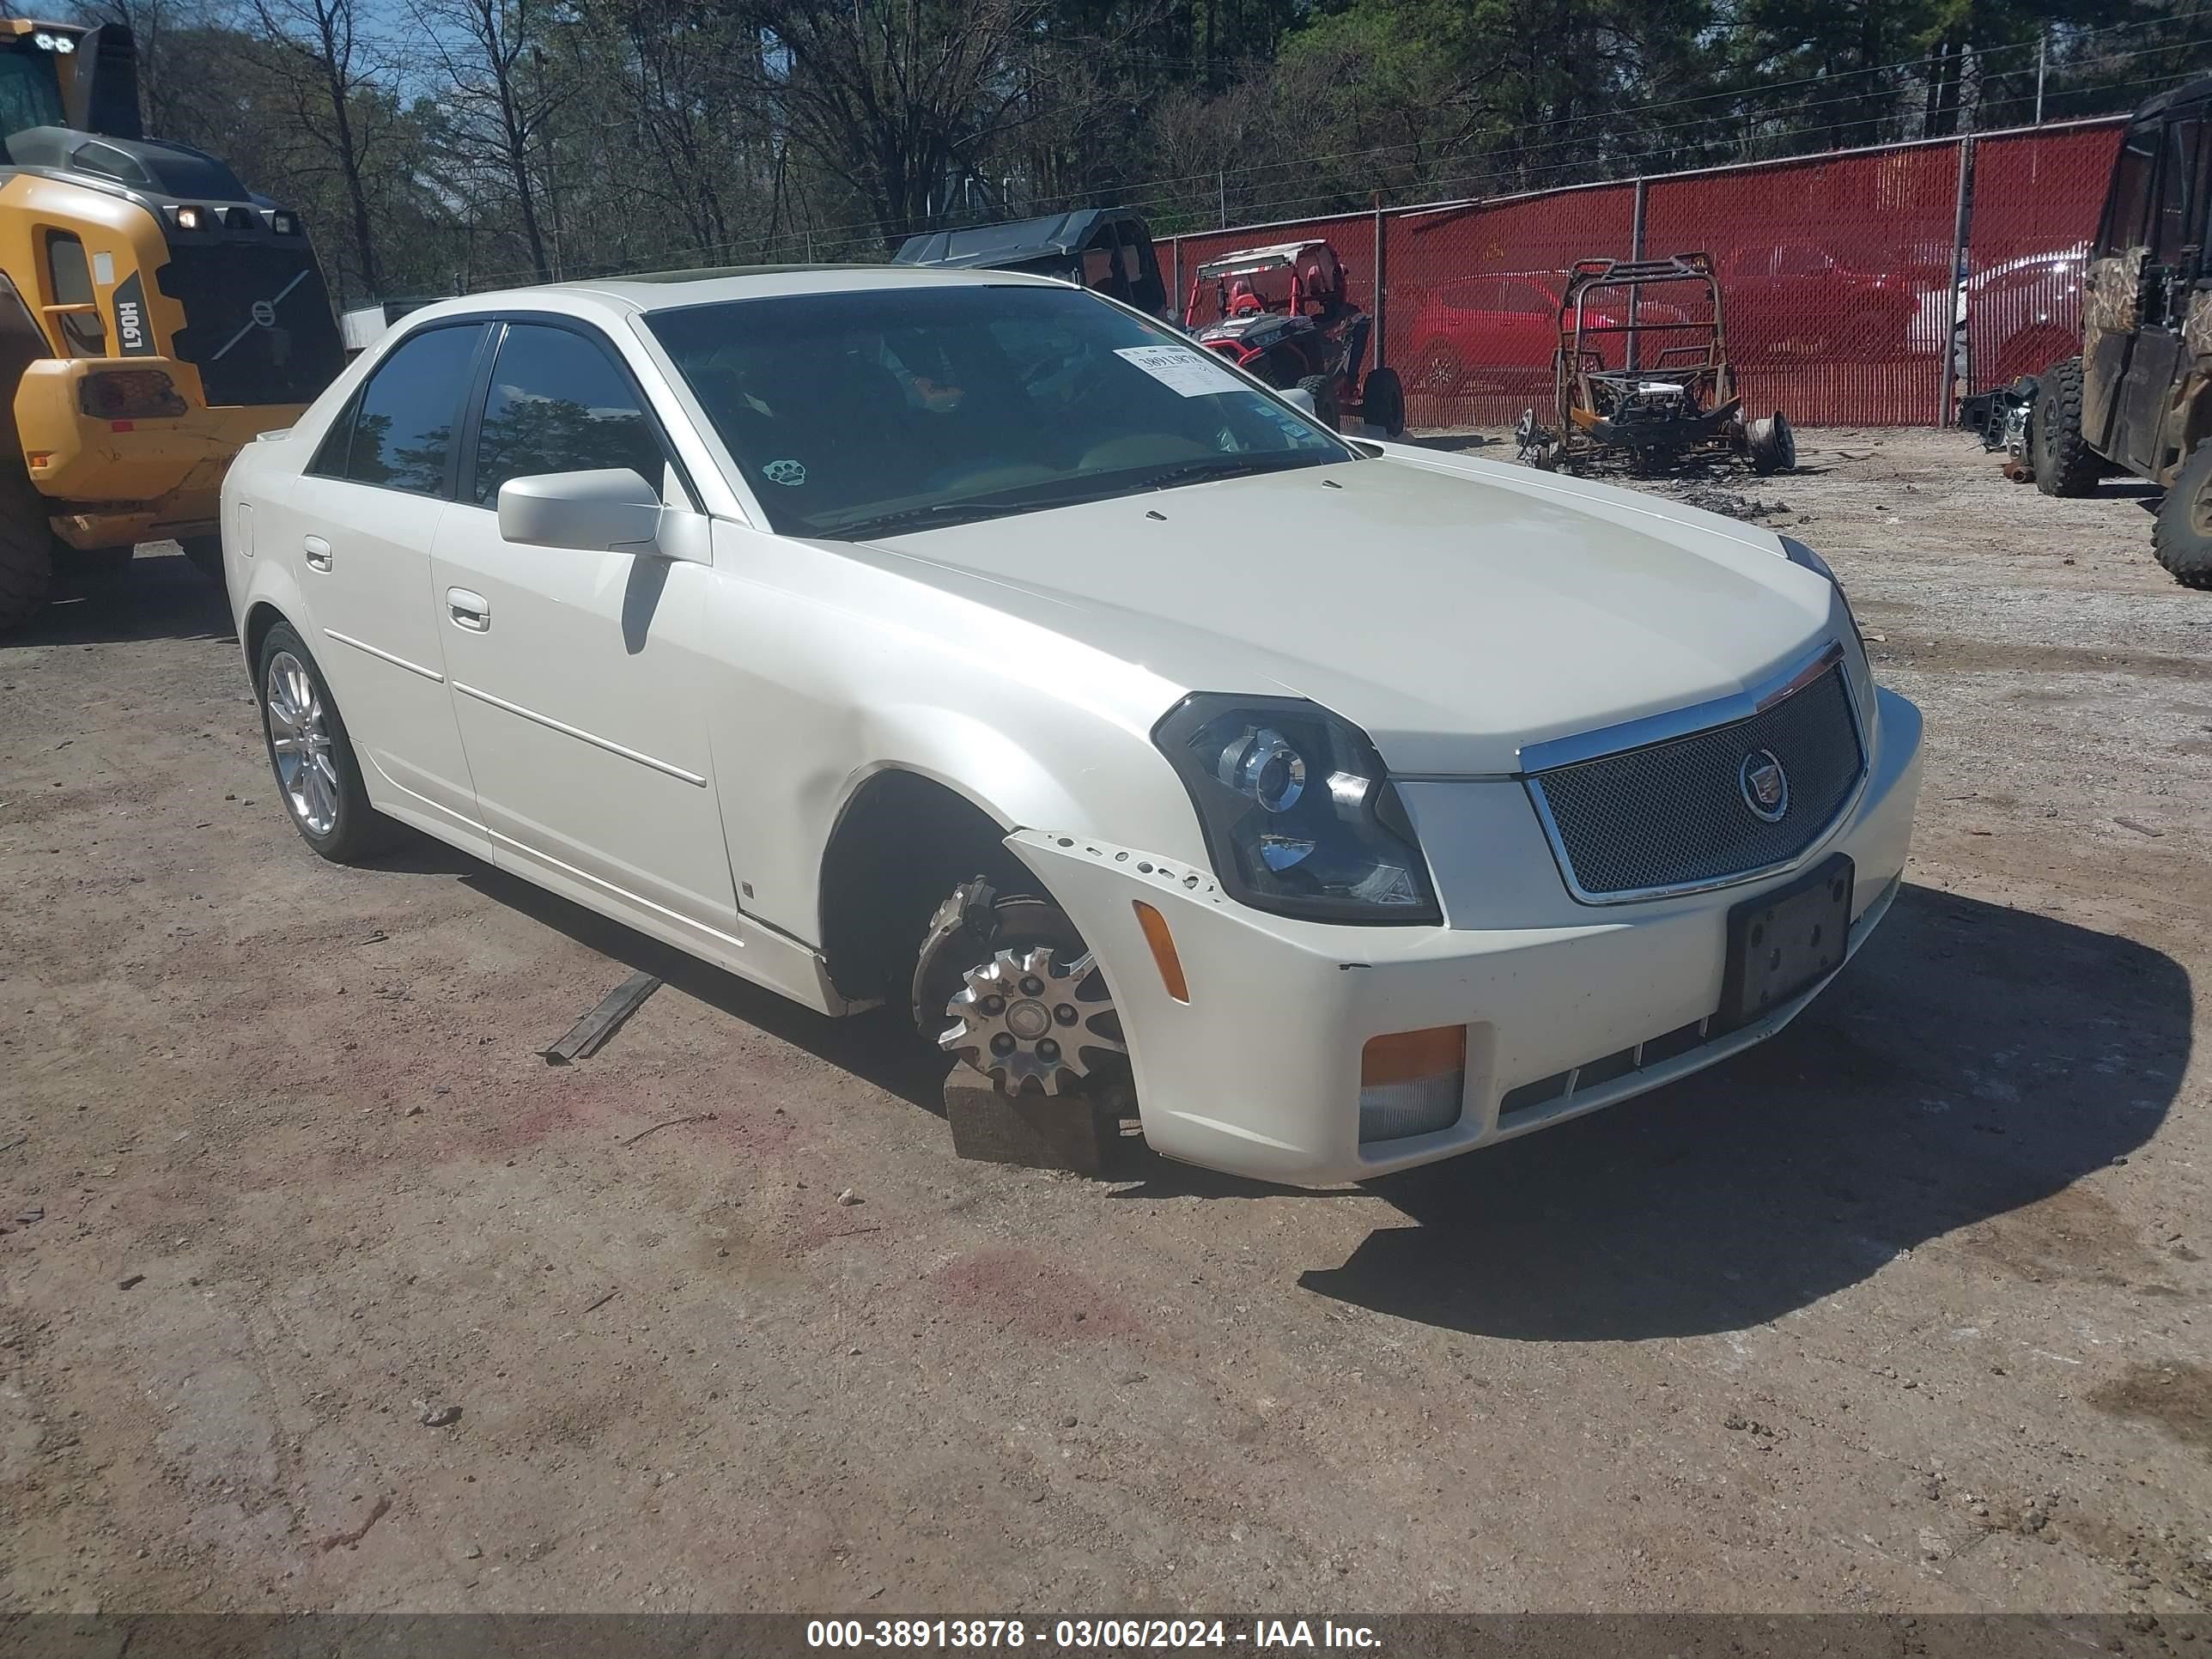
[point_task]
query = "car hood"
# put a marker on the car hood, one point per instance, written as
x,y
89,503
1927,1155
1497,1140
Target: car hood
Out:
x,y
1455,609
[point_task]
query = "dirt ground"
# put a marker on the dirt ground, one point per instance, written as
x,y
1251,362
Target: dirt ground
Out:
x,y
1897,1312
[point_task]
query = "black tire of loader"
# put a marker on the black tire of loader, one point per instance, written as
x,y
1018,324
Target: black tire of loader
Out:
x,y
26,547
2182,534
2064,463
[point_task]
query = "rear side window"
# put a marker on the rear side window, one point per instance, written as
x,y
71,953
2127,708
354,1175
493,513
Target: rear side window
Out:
x,y
399,432
559,403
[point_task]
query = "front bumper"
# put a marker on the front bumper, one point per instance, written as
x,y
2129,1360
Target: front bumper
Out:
x,y
1258,1073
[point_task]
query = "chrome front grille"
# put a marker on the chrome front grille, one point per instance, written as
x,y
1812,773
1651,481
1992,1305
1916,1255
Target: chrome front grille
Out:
x,y
1674,816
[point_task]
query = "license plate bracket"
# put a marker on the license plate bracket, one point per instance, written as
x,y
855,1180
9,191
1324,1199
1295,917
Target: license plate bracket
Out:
x,y
1783,942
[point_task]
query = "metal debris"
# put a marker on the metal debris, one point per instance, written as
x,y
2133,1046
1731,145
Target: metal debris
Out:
x,y
590,1033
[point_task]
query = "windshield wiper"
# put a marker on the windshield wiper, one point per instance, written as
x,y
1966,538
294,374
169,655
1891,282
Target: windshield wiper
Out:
x,y
930,514
1037,497
1206,471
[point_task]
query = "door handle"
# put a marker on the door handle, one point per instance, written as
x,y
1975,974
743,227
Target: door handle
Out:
x,y
317,552
469,611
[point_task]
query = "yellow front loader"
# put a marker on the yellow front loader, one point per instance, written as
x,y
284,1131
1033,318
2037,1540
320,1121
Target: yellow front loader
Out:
x,y
154,315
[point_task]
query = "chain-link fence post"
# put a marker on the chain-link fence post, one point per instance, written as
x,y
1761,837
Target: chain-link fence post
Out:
x,y
1946,357
1635,359
1382,280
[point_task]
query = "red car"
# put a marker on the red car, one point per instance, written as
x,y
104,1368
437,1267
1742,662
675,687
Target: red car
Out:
x,y
1497,333
1794,301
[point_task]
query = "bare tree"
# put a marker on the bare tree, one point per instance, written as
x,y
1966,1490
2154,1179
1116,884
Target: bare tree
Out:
x,y
892,95
333,80
500,100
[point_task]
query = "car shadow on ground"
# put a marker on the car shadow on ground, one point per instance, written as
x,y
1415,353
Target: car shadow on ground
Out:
x,y
876,1047
1972,1060
157,596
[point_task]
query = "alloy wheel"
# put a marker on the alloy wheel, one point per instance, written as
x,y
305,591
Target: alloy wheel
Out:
x,y
299,741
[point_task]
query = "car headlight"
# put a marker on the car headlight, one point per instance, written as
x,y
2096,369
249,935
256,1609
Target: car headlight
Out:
x,y
1299,816
1860,670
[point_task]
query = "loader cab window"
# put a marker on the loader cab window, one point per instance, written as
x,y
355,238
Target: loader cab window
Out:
x,y
2127,211
30,89
69,279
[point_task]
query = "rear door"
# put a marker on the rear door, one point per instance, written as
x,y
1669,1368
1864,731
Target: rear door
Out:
x,y
580,679
357,528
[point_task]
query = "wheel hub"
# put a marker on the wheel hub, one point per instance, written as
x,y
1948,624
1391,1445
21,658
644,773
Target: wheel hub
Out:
x,y
1022,1019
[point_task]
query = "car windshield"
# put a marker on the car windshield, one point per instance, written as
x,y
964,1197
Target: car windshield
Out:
x,y
882,411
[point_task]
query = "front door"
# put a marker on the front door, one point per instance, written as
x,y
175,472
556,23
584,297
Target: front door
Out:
x,y
357,528
2173,250
577,677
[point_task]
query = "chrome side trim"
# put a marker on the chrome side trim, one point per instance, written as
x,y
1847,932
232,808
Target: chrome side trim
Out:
x,y
430,674
1679,722
1796,681
568,730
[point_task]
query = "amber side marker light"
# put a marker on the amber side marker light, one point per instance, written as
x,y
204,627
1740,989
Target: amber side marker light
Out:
x,y
1164,950
1410,1082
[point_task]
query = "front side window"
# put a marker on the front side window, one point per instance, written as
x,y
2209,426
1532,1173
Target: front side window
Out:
x,y
887,409
2128,208
404,419
2175,180
558,403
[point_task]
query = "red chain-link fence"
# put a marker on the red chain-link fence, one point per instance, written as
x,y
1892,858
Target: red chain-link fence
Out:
x,y
2037,196
1844,277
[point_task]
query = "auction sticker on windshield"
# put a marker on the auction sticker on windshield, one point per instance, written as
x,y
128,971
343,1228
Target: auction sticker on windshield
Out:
x,y
1188,373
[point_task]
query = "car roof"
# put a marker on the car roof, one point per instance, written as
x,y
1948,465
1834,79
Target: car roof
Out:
x,y
1260,259
672,291
2195,92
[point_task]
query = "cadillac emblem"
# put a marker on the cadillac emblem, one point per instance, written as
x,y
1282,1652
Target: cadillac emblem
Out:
x,y
1766,785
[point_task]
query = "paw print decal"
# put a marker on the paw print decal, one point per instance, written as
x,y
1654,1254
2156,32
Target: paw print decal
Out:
x,y
784,472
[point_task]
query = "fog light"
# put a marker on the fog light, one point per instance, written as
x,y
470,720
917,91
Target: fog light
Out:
x,y
1410,1082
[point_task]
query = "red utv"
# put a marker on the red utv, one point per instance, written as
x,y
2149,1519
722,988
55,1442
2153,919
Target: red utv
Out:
x,y
1285,314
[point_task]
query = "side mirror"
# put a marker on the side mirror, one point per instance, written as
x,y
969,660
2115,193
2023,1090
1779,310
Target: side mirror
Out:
x,y
612,510
1298,397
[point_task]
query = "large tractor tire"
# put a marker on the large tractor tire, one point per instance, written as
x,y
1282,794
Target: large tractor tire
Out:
x,y
2182,535
2064,463
26,547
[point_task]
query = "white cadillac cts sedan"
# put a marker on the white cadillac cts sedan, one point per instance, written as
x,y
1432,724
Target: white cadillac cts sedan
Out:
x,y
972,643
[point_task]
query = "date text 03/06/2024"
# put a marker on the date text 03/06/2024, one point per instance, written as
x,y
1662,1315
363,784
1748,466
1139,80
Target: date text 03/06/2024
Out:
x,y
1077,1635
